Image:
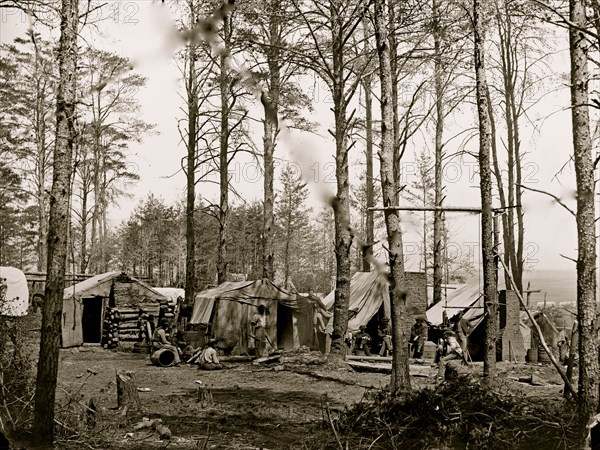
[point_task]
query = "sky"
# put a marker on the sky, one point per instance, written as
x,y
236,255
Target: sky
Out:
x,y
142,30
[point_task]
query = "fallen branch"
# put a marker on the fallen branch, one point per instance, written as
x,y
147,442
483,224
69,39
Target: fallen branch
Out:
x,y
555,363
335,433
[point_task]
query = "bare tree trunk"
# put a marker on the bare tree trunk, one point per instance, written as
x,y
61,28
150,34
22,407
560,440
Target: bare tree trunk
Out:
x,y
487,221
586,235
45,390
83,248
400,369
498,176
370,222
286,254
190,207
42,218
223,166
343,239
396,119
438,216
269,141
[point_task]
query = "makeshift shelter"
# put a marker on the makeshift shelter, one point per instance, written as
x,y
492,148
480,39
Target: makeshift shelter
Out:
x,y
85,305
467,298
549,331
172,294
369,295
14,293
228,310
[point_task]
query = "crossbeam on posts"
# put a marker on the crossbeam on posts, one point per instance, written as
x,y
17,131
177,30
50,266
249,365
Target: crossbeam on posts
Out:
x,y
426,208
465,209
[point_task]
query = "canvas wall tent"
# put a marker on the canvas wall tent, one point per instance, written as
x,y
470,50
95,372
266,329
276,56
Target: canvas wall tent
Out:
x,y
229,308
14,293
369,292
466,297
85,303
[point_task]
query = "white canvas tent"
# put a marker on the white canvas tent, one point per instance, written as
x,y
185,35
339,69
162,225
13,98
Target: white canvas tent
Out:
x,y
171,293
368,291
468,296
14,293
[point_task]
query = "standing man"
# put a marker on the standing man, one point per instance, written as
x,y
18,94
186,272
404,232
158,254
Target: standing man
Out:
x,y
463,329
259,324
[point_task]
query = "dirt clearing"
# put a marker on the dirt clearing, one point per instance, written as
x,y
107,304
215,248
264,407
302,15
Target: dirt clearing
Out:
x,y
255,406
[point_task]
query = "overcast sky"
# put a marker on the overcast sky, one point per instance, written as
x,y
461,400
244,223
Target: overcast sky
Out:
x,y
141,30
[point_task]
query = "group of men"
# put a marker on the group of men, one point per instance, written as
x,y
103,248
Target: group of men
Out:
x,y
452,346
208,359
361,342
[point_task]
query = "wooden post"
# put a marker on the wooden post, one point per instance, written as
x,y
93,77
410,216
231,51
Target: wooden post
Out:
x,y
127,394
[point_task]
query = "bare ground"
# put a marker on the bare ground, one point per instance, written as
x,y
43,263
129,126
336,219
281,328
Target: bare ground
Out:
x,y
256,406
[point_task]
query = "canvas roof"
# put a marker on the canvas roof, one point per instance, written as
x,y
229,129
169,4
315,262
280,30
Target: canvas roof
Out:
x,y
368,290
243,292
469,295
171,293
88,286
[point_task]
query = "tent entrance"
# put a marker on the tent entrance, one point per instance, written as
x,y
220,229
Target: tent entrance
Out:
x,y
91,318
285,328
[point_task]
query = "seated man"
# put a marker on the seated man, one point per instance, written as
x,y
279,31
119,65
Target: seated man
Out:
x,y
419,337
160,340
208,359
385,335
362,342
453,351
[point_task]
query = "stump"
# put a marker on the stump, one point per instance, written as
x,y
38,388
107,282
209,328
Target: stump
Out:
x,y
90,414
127,394
205,397
456,369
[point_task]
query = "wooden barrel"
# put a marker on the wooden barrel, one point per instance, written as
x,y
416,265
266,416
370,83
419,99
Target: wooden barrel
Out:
x,y
532,355
429,350
163,357
194,338
543,356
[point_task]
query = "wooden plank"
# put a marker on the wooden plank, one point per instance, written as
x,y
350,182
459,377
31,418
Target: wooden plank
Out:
x,y
369,358
415,370
265,359
72,331
370,367
236,358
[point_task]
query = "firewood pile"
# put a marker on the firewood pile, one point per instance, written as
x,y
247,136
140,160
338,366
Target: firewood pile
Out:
x,y
120,327
167,310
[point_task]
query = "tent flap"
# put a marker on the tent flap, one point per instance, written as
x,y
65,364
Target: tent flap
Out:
x,y
14,292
